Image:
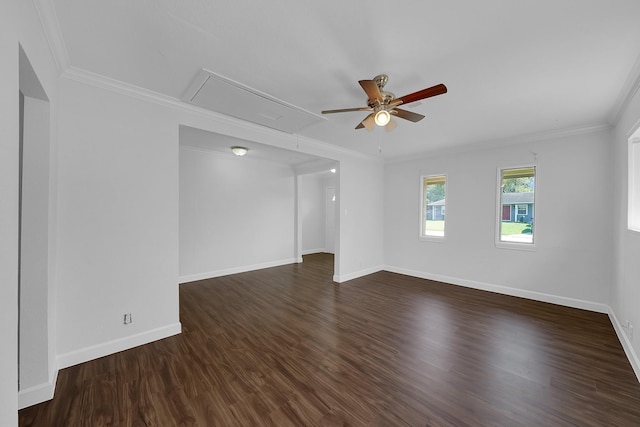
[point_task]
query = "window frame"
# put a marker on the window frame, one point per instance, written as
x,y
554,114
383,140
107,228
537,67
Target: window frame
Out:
x,y
423,208
502,244
633,182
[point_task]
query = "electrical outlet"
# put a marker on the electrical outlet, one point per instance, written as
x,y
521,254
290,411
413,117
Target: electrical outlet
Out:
x,y
127,318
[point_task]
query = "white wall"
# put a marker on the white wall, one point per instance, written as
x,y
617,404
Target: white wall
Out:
x,y
236,214
572,262
330,219
360,199
625,290
117,222
313,213
34,259
8,220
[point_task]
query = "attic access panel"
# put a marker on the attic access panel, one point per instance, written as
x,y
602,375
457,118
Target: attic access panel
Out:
x,y
217,93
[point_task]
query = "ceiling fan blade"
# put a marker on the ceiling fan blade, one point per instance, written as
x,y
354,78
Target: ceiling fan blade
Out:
x,y
368,122
407,115
372,90
344,110
391,125
422,94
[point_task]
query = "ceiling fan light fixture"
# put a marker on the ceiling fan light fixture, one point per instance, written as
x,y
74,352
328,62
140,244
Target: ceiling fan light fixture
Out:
x,y
382,117
382,104
239,151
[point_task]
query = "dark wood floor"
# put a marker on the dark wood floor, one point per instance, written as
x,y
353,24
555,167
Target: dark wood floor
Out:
x,y
288,347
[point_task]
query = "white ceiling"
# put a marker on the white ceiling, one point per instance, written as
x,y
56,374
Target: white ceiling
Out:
x,y
512,68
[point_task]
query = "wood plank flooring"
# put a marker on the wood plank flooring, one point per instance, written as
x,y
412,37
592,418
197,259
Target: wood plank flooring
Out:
x,y
286,346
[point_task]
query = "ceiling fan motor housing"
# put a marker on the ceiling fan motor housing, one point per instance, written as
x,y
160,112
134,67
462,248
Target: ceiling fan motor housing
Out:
x,y
382,80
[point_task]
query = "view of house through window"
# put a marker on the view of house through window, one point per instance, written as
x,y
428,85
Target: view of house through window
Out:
x,y
433,205
516,208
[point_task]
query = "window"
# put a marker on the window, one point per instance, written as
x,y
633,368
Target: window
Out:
x,y
432,217
633,198
516,205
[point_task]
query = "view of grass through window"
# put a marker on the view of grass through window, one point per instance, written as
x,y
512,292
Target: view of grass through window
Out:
x,y
517,204
433,205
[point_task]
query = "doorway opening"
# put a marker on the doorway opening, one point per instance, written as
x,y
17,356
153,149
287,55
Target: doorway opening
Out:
x,y
242,213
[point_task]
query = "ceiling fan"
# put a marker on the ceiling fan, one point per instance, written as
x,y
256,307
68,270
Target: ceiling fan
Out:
x,y
384,105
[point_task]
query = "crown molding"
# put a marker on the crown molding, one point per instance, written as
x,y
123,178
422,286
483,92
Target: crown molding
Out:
x,y
51,28
112,85
140,93
507,142
53,34
629,90
106,83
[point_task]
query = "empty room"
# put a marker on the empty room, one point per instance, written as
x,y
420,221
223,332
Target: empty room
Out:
x,y
280,213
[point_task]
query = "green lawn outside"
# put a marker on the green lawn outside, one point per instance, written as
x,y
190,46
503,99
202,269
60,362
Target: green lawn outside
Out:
x,y
509,228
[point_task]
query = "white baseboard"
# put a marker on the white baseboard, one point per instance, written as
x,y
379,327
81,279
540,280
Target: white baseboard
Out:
x,y
235,270
121,344
39,393
505,290
346,277
43,392
626,344
313,251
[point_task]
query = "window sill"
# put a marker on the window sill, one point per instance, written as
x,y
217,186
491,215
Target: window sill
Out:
x,y
516,246
424,238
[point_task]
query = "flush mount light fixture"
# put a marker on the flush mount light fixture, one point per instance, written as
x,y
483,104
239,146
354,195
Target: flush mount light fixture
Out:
x,y
382,118
239,151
